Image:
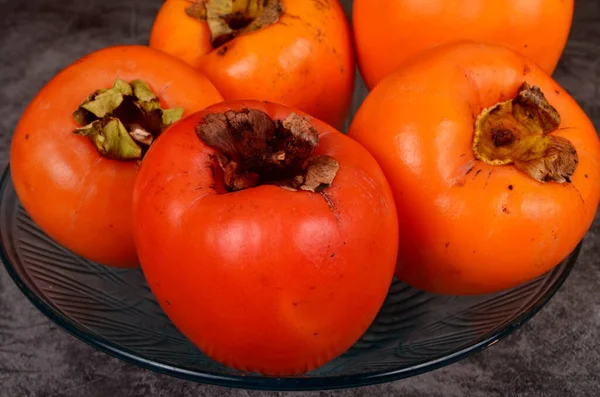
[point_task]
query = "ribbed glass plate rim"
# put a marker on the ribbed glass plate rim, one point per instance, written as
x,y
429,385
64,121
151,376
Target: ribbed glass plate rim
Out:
x,y
266,383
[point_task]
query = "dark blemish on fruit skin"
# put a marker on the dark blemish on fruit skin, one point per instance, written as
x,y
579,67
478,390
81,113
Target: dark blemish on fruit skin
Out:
x,y
312,288
332,255
505,210
26,136
447,244
469,171
557,92
510,187
477,173
319,35
223,50
315,333
526,70
294,304
463,155
321,4
488,179
110,225
331,205
168,303
578,193
586,176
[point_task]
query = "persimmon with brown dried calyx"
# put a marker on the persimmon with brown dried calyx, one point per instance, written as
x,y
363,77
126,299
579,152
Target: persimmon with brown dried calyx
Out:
x,y
295,52
495,168
267,237
75,152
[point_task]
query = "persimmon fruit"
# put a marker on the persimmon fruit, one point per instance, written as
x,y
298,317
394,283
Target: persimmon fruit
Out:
x,y
268,238
75,151
495,168
387,32
294,52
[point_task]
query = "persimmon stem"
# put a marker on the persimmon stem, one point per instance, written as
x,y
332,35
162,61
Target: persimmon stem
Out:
x,y
227,19
518,132
123,121
253,149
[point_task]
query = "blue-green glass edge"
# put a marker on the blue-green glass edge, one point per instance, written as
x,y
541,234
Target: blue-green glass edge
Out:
x,y
276,384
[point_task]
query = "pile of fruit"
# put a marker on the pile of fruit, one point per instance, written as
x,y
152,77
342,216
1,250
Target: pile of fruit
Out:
x,y
212,158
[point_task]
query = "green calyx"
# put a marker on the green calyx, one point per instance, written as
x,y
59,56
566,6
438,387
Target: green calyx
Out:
x,y
124,120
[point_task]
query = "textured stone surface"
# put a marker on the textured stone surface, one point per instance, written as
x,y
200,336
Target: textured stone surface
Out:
x,y
555,354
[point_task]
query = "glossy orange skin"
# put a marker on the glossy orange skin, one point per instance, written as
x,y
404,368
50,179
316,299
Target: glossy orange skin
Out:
x,y
469,227
76,196
305,60
387,32
265,279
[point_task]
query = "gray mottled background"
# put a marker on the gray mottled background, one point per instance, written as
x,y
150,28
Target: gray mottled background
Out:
x,y
555,354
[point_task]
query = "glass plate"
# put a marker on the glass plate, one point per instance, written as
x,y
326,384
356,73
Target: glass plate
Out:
x,y
114,311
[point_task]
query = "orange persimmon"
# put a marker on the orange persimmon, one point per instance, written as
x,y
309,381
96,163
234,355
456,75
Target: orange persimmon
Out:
x,y
495,168
75,152
294,52
387,32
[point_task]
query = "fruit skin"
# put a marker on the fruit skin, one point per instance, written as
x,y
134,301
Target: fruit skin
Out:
x,y
469,227
265,279
305,60
76,196
387,32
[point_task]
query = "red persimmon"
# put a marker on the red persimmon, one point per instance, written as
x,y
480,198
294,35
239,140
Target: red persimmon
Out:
x,y
268,238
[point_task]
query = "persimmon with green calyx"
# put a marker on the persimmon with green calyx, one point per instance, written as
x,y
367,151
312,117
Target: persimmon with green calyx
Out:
x,y
495,168
268,238
76,150
295,52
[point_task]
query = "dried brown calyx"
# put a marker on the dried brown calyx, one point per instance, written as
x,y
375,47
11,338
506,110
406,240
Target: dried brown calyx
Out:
x,y
227,19
122,121
518,132
253,149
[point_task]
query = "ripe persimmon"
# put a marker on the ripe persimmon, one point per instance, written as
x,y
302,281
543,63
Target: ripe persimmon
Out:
x,y
387,32
267,237
294,52
74,154
495,168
